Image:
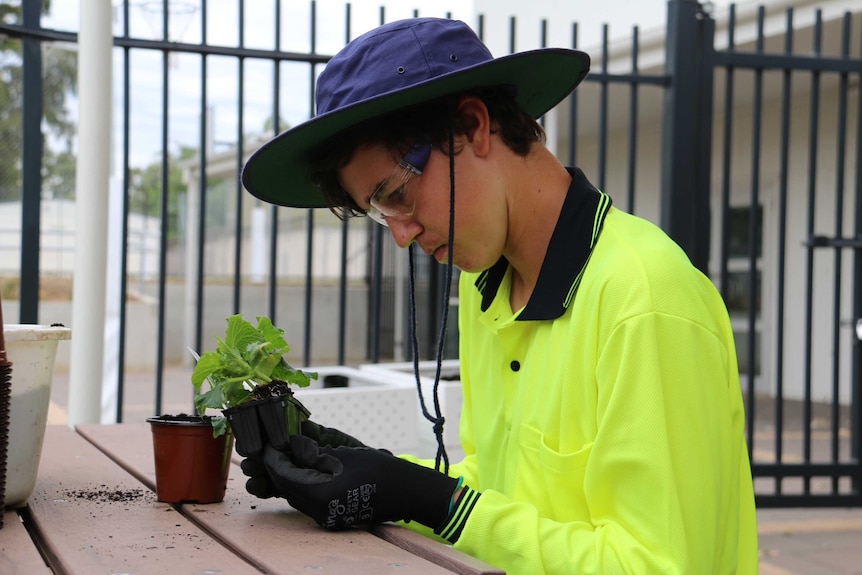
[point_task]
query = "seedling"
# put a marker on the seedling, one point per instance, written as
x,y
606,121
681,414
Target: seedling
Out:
x,y
245,362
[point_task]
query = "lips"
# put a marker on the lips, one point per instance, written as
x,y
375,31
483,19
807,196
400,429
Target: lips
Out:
x,y
439,253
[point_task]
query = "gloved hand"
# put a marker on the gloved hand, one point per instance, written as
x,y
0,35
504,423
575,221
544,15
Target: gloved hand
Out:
x,y
340,487
328,435
260,485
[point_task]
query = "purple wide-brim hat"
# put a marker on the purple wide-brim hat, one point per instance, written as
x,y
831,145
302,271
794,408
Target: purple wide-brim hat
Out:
x,y
393,67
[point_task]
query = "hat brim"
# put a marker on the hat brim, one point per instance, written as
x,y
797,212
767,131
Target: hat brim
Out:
x,y
278,172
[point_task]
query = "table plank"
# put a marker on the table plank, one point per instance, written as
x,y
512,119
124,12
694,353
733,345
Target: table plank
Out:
x,y
18,552
93,517
443,555
268,532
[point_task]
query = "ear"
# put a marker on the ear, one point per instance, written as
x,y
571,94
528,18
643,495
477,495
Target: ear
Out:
x,y
474,113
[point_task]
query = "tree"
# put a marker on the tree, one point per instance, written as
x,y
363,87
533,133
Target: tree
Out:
x,y
145,190
59,72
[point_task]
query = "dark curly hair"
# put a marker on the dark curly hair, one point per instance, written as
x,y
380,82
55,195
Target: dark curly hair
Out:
x,y
398,131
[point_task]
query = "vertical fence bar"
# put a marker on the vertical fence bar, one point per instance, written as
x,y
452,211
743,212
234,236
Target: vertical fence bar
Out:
x,y
809,280
272,288
633,121
376,303
727,160
603,113
573,108
703,157
309,285
682,163
31,164
543,35
841,150
345,227
433,307
200,272
124,246
240,154
754,229
163,215
856,368
309,236
784,167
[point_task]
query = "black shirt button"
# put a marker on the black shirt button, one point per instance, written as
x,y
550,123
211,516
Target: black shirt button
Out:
x,y
515,365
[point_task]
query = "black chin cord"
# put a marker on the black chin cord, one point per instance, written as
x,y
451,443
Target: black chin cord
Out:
x,y
437,419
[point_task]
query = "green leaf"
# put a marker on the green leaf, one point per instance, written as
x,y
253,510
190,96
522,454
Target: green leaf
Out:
x,y
214,398
235,393
209,363
285,372
272,335
240,334
220,426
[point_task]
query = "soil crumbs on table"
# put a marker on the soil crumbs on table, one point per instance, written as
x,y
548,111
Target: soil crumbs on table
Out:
x,y
105,494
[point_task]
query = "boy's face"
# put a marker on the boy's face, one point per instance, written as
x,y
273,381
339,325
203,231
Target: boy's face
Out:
x,y
479,231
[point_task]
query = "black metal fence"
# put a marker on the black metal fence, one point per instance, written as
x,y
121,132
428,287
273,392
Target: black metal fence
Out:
x,y
648,130
800,100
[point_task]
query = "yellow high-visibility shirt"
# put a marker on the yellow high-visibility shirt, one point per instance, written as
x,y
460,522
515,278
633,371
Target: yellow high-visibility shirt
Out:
x,y
603,424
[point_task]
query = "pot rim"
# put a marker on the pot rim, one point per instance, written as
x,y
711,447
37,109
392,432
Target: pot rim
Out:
x,y
193,421
35,332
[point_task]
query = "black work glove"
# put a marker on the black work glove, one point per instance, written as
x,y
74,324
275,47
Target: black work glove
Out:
x,y
259,483
328,435
340,487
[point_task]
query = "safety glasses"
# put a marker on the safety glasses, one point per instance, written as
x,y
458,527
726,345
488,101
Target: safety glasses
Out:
x,y
392,199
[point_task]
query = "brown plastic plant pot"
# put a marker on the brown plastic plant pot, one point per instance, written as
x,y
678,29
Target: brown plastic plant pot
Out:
x,y
192,466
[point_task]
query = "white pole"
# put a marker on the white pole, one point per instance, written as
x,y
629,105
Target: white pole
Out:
x,y
92,197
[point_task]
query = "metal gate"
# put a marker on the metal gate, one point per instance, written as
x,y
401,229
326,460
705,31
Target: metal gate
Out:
x,y
786,139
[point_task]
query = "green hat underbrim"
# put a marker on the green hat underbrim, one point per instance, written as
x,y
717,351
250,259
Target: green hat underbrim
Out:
x,y
278,172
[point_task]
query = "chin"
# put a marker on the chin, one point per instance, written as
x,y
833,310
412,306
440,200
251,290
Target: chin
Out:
x,y
466,266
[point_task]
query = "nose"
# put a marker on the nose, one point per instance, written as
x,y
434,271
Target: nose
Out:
x,y
404,231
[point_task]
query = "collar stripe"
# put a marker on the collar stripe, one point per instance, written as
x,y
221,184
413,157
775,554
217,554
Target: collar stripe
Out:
x,y
575,235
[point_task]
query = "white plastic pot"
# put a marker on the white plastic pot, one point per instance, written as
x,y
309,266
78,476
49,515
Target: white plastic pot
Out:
x,y
369,408
450,395
31,349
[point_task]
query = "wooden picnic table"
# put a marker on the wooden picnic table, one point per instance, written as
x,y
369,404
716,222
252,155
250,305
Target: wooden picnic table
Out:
x,y
94,511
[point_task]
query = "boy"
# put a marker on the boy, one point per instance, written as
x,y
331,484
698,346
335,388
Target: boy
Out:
x,y
603,421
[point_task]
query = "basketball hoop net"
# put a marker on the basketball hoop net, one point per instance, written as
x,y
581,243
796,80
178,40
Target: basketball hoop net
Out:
x,y
180,15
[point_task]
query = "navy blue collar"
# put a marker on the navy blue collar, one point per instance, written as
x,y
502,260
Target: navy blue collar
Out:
x,y
572,243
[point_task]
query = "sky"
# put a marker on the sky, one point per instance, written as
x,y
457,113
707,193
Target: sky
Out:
x,y
222,28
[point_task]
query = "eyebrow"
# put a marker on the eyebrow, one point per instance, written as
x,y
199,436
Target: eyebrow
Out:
x,y
380,185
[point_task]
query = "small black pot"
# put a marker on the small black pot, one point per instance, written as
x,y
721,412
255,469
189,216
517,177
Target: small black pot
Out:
x,y
245,424
272,420
281,417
